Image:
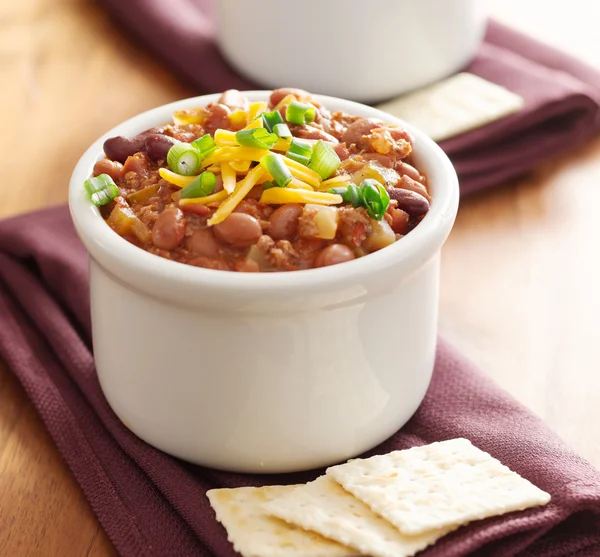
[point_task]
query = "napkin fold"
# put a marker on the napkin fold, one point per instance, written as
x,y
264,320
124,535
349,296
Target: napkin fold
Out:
x,y
561,94
151,504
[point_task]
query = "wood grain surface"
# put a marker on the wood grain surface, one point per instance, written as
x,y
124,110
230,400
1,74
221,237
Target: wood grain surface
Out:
x,y
519,275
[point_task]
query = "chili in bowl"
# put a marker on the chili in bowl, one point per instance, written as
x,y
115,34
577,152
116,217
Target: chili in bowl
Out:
x,y
202,347
265,186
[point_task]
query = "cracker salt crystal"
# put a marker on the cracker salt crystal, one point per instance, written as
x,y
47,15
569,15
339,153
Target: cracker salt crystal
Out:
x,y
455,105
323,506
442,485
254,533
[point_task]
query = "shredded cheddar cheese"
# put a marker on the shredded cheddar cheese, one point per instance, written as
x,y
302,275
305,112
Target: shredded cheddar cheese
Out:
x,y
228,154
240,166
280,196
242,189
175,179
228,175
256,109
225,138
207,200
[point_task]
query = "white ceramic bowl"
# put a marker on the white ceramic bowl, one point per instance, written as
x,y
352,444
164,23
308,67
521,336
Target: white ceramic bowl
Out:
x,y
365,51
265,372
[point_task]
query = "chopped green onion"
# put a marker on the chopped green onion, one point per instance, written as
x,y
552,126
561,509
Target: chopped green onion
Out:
x,y
350,194
277,169
101,189
271,119
370,194
374,197
184,158
205,145
300,113
268,185
282,130
256,137
300,147
201,186
324,160
298,158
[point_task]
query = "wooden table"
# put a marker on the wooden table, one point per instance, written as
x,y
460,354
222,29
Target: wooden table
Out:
x,y
520,271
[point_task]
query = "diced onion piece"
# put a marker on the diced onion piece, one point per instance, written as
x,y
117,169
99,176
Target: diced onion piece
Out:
x,y
240,166
302,172
174,178
124,221
238,118
202,186
190,116
280,173
213,198
280,196
381,235
256,109
282,130
143,194
228,175
101,189
283,144
324,160
300,113
184,158
242,189
225,138
258,138
326,219
228,154
286,100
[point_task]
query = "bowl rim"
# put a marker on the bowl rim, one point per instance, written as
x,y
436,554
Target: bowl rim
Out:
x,y
130,262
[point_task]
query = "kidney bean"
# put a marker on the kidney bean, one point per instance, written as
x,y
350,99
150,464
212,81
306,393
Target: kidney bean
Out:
x,y
202,242
411,202
238,229
334,254
112,168
157,145
169,229
283,222
119,148
358,128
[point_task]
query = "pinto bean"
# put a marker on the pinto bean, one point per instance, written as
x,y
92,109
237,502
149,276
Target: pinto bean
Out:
x,y
399,220
238,229
334,254
312,132
407,183
283,223
138,163
218,117
112,168
169,229
405,169
341,151
279,94
202,242
119,148
157,145
234,100
358,128
411,202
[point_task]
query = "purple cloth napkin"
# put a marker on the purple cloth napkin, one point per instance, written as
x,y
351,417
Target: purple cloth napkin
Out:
x,y
562,95
151,504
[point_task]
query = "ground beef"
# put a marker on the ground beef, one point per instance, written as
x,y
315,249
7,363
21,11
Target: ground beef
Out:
x,y
281,254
